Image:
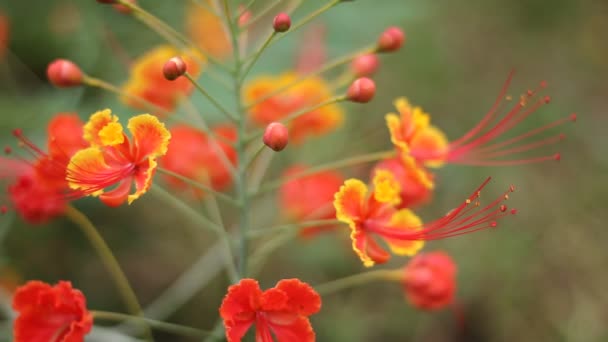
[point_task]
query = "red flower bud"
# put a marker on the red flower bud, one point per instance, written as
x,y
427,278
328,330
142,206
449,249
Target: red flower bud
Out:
x,y
63,73
174,68
276,136
281,23
365,65
391,39
124,9
430,281
362,90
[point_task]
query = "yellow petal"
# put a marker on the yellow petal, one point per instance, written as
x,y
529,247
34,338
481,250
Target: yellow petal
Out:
x,y
96,123
111,134
150,136
386,187
405,220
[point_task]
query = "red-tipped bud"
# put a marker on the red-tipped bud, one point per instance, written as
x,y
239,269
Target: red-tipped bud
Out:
x,y
124,9
276,136
281,23
63,73
174,68
362,90
365,65
391,39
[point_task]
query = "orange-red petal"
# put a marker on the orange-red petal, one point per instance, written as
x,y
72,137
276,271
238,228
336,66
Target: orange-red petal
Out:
x,y
350,200
302,298
150,136
238,308
405,220
143,178
96,123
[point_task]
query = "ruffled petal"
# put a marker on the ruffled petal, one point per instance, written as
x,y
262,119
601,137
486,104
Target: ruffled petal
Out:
x,y
366,248
430,145
88,172
238,309
349,201
143,178
65,136
290,328
150,137
405,220
96,123
111,134
386,187
302,298
118,195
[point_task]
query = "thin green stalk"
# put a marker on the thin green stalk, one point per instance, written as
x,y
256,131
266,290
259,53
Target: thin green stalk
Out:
x,y
241,179
97,83
257,54
255,154
160,325
365,158
291,226
326,67
358,279
299,113
261,14
245,9
210,98
271,245
110,262
197,185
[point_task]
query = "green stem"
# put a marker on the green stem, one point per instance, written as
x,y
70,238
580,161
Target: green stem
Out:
x,y
110,262
291,226
261,14
257,54
197,185
359,279
97,83
210,98
365,158
164,326
255,154
241,179
326,67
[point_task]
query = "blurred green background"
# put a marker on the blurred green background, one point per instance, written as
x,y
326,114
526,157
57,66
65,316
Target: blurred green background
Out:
x,y
540,277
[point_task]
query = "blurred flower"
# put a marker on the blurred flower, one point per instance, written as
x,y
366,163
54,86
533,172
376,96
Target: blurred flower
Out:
x,y
281,311
207,30
39,190
309,197
195,155
312,52
413,135
113,159
50,313
148,82
4,34
376,214
430,281
270,107
414,189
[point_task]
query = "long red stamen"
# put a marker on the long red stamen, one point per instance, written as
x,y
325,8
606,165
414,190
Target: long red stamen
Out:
x,y
25,142
475,146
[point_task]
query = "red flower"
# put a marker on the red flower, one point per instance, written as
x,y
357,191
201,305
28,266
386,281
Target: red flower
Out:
x,y
39,190
414,190
309,197
203,161
430,281
281,311
46,313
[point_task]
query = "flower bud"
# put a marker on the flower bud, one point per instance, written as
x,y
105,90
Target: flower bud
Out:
x,y
430,281
391,39
276,136
364,65
362,90
281,23
64,73
124,9
174,68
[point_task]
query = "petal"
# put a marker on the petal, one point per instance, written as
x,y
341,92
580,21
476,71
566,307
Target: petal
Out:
x,y
430,145
360,241
65,133
111,134
349,201
393,122
302,298
297,330
238,309
417,172
143,178
88,172
386,187
273,300
118,195
405,220
96,123
150,136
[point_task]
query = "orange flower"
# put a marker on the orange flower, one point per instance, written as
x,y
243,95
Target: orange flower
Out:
x,y
414,137
207,30
147,81
281,311
39,190
113,159
412,181
50,313
304,94
374,213
430,281
203,162
309,197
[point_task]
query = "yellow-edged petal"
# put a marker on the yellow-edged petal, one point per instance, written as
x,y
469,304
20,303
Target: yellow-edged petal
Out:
x,y
393,122
417,172
431,145
386,187
349,200
111,134
405,220
143,180
96,123
150,136
83,167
